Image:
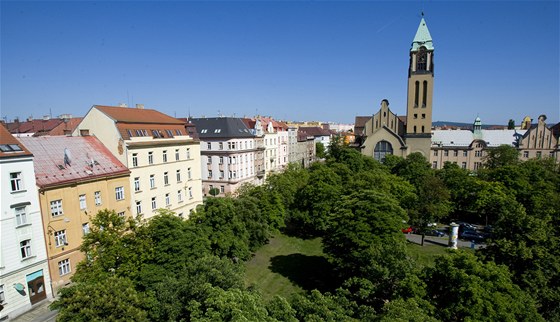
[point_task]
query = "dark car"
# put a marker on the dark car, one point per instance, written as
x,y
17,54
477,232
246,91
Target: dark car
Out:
x,y
435,232
471,235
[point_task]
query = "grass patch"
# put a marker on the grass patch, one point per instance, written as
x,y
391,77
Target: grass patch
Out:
x,y
288,265
425,255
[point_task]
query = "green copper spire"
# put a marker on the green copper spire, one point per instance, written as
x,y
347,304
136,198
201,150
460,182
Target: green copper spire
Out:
x,y
422,38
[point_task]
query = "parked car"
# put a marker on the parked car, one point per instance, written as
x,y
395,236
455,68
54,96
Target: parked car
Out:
x,y
435,232
407,230
466,226
471,235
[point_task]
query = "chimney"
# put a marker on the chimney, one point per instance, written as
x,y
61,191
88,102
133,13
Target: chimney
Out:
x,y
123,105
46,117
140,106
30,118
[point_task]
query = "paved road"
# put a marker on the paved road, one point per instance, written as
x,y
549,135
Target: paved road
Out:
x,y
443,241
39,313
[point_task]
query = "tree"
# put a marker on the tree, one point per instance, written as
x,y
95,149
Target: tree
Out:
x,y
214,192
110,299
462,288
501,156
320,150
511,124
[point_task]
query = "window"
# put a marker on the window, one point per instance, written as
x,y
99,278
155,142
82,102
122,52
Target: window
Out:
x,y
169,133
421,59
425,93
56,207
134,159
455,153
137,184
179,196
190,192
465,153
121,214
64,267
119,193
221,160
416,93
150,157
167,199
382,148
446,153
434,164
178,175
463,165
21,216
188,153
154,204
209,174
16,181
222,189
2,296
152,181
423,115
477,165
138,207
97,197
25,247
415,116
221,145
164,155
435,153
478,153
209,160
539,154
209,146
85,228
83,204
60,238
177,155
221,174
525,154
166,178
189,173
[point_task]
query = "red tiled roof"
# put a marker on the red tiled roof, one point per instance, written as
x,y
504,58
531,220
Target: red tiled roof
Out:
x,y
137,115
51,168
39,127
65,128
314,131
7,139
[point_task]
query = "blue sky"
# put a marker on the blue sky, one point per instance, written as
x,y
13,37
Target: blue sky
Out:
x,y
327,61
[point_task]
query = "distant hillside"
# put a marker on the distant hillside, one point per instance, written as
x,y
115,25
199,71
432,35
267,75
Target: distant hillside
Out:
x,y
462,125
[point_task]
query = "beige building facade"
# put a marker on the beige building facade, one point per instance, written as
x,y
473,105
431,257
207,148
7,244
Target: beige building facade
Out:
x,y
163,159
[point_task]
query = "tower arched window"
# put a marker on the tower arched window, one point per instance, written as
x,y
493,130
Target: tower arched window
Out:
x,y
414,128
416,93
422,128
421,59
425,93
382,148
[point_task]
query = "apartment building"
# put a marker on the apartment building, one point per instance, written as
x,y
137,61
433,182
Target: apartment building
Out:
x,y
24,271
164,161
229,151
76,178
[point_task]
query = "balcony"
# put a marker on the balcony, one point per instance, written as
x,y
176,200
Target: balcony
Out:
x,y
260,174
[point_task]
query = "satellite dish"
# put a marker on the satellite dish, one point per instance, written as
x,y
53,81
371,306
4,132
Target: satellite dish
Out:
x,y
67,157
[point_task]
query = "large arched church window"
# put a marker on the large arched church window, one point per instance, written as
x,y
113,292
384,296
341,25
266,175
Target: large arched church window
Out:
x,y
382,148
421,59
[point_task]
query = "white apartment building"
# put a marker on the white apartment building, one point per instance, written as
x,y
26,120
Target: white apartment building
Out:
x,y
24,272
163,159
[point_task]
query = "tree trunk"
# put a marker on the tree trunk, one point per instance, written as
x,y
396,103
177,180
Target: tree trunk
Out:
x,y
422,242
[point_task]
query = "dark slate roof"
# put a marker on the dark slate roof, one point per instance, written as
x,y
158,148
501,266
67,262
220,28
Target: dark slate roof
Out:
x,y
221,127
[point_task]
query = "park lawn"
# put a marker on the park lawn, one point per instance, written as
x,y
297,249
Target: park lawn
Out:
x,y
287,265
426,255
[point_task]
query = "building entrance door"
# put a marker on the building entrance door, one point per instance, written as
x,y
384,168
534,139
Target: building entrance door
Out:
x,y
36,287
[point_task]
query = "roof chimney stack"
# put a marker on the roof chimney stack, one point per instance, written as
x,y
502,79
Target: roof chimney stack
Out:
x,y
140,106
123,105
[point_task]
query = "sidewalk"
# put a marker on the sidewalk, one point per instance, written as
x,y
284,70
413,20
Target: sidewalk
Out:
x,y
39,313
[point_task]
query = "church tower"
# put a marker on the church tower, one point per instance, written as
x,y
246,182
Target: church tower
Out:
x,y
420,88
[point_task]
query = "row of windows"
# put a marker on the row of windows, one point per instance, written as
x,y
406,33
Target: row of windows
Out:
x,y
232,174
234,145
455,153
56,205
234,159
167,200
96,197
178,177
164,157
154,133
222,188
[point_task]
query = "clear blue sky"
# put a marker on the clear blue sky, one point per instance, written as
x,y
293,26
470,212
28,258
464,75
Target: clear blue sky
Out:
x,y
327,61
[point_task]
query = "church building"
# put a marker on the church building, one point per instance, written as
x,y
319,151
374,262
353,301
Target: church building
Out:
x,y
386,132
